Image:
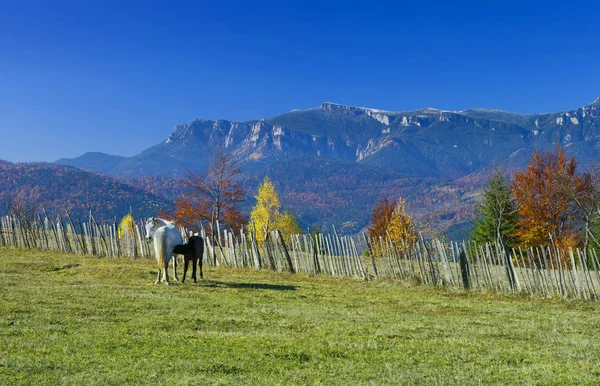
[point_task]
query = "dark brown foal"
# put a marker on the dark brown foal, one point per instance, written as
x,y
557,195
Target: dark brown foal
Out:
x,y
192,251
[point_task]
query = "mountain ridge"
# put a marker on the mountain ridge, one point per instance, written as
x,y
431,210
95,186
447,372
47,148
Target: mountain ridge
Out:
x,y
364,128
430,148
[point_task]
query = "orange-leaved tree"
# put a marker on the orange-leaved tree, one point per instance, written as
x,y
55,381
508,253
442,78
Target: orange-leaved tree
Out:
x,y
381,216
212,196
401,228
545,194
390,219
584,195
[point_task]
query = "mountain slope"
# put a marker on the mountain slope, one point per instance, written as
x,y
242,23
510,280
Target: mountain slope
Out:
x,y
93,161
59,188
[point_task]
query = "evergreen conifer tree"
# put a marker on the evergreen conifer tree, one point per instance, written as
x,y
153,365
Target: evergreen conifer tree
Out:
x,y
497,217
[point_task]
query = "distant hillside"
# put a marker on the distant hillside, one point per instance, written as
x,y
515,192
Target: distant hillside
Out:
x,y
93,161
168,188
328,192
58,188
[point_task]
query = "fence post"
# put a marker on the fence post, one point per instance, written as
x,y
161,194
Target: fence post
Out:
x,y
372,255
285,251
510,269
464,270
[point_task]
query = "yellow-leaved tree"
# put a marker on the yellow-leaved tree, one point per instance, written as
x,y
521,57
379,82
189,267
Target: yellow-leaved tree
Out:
x,y
266,214
401,226
126,227
288,225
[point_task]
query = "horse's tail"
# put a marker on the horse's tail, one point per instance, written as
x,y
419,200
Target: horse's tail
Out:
x,y
160,247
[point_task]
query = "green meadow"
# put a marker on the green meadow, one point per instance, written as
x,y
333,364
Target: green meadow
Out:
x,y
69,319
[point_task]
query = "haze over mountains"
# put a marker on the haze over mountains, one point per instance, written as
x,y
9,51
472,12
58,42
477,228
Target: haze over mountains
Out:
x,y
333,162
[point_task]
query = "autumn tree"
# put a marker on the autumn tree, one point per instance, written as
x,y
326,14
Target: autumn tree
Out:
x,y
497,216
401,228
213,196
390,218
594,232
584,207
288,225
126,227
266,214
381,217
23,207
545,194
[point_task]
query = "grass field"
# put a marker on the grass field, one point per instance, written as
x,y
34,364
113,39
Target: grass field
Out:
x,y
68,319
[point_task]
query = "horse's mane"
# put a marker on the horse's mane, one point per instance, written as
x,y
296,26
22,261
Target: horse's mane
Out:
x,y
163,222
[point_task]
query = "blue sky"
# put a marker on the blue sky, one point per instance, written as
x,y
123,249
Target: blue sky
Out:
x,y
116,76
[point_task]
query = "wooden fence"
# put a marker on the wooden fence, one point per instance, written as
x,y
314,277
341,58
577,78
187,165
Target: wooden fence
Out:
x,y
542,272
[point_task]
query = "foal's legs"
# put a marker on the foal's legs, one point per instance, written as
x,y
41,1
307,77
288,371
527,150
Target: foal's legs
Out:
x,y
194,261
185,268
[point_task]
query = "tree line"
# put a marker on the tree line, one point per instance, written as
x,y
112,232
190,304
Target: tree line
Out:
x,y
212,201
551,202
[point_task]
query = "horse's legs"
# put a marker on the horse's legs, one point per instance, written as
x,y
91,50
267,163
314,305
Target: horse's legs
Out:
x,y
158,277
185,268
174,257
165,270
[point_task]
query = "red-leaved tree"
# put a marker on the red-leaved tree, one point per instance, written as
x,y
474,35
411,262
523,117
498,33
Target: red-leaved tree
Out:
x,y
212,196
381,217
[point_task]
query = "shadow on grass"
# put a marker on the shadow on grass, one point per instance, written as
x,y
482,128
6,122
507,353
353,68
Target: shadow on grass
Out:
x,y
260,286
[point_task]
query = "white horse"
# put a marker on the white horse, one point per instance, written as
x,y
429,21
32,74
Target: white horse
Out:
x,y
166,237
